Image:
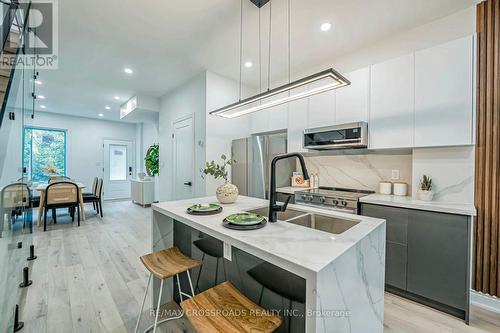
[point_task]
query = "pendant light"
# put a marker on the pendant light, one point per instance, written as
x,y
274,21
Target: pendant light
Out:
x,y
308,86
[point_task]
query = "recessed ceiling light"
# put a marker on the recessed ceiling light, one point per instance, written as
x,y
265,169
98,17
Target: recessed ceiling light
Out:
x,y
326,26
117,98
248,64
128,70
107,107
101,115
43,107
40,97
38,82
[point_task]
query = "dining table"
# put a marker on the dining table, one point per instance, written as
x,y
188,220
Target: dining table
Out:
x,y
42,187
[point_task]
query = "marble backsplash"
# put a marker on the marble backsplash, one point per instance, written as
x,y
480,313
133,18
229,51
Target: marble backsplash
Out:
x,y
363,171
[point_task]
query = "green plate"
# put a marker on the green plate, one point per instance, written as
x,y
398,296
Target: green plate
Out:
x,y
245,219
204,208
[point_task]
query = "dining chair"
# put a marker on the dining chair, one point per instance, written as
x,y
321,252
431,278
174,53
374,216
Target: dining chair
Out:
x,y
62,194
92,194
58,179
97,198
14,199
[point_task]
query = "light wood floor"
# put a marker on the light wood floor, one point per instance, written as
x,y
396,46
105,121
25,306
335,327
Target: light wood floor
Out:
x,y
90,279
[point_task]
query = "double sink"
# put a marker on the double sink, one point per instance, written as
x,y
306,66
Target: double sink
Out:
x,y
311,220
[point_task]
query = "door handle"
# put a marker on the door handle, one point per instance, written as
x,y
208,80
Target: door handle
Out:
x,y
188,183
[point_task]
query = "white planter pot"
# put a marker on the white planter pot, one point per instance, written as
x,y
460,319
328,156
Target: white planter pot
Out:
x,y
425,195
227,193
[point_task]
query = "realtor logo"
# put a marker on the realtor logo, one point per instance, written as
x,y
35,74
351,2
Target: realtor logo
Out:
x,y
40,40
38,47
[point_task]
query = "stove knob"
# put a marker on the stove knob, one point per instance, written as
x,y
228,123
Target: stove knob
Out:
x,y
303,196
335,202
310,198
344,203
322,200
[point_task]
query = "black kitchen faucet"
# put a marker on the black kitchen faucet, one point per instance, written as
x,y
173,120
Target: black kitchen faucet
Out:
x,y
273,207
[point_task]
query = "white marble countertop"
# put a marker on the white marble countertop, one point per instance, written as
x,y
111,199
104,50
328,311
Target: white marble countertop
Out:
x,y
291,190
409,202
307,250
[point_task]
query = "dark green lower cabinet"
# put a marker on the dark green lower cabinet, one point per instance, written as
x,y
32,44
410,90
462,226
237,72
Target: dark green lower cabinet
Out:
x,y
395,265
427,256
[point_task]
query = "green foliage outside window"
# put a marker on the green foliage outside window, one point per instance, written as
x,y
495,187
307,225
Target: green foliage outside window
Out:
x,y
44,153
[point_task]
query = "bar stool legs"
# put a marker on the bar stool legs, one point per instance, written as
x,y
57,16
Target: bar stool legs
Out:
x,y
143,302
181,294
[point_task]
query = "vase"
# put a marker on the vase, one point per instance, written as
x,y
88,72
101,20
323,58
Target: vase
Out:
x,y
425,195
227,193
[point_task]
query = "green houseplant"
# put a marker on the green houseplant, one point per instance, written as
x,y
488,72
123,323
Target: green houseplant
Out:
x,y
425,191
152,160
227,192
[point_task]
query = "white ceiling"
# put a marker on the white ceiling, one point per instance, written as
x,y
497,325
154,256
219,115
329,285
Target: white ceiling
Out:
x,y
167,42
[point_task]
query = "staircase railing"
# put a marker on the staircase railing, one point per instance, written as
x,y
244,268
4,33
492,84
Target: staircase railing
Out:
x,y
10,20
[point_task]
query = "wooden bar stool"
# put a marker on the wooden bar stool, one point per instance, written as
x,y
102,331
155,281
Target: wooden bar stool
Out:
x,y
163,265
224,309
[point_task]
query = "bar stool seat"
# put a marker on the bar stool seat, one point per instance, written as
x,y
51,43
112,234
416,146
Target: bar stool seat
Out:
x,y
224,309
163,265
167,263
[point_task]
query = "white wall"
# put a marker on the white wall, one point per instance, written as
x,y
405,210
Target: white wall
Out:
x,y
147,134
188,99
222,91
84,159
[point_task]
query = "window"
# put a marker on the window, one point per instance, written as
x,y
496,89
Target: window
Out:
x,y
44,153
117,162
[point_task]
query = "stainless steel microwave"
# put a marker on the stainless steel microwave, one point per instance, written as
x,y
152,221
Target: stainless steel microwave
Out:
x,y
352,135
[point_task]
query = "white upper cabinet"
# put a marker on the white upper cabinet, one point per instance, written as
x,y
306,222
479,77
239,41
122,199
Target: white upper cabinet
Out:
x,y
351,102
321,108
444,94
392,103
297,122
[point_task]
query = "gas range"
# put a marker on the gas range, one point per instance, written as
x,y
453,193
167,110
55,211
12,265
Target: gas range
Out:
x,y
340,199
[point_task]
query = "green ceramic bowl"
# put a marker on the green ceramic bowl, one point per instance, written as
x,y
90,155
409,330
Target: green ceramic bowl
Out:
x,y
204,208
245,219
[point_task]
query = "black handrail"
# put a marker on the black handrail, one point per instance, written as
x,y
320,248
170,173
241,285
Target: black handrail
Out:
x,y
6,31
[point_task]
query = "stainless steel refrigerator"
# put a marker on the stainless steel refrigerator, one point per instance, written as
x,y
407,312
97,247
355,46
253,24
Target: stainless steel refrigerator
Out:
x,y
253,157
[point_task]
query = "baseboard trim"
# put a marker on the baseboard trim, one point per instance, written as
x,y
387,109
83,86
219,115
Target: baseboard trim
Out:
x,y
485,301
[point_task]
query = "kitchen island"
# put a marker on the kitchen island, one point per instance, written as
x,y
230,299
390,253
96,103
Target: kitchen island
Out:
x,y
331,281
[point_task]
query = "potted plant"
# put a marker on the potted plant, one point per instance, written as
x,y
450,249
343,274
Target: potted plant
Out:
x,y
227,192
152,164
425,191
152,160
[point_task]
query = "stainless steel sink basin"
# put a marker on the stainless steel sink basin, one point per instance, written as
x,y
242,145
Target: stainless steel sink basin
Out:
x,y
306,219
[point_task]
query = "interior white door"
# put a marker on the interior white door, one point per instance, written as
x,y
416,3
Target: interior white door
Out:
x,y
183,142
118,169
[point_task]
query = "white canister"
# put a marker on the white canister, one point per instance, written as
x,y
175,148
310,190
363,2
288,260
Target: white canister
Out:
x,y
385,188
401,189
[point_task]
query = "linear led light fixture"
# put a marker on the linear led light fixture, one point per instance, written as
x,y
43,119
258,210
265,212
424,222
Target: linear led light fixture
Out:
x,y
333,78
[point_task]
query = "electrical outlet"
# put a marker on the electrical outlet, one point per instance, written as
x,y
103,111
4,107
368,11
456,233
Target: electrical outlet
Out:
x,y
395,174
227,251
